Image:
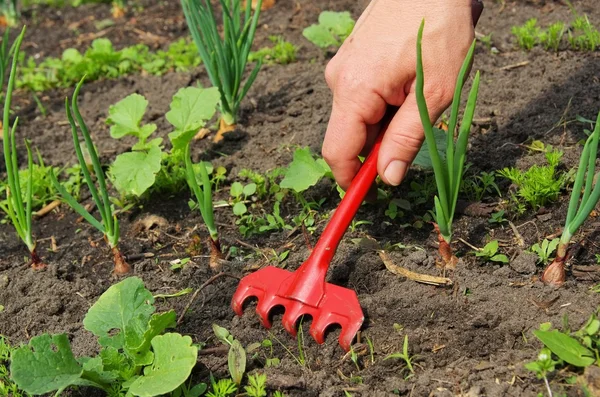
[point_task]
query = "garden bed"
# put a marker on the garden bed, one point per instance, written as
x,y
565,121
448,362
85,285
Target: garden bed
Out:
x,y
471,338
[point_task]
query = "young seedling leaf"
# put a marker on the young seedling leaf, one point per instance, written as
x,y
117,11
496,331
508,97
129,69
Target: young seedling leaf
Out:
x,y
566,348
174,358
236,361
46,364
134,172
126,117
320,36
116,307
304,171
139,332
339,23
191,108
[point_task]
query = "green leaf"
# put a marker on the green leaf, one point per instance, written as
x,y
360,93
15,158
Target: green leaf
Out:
x,y
239,209
191,108
249,189
46,364
304,171
134,172
236,360
499,258
339,23
236,190
174,358
116,307
320,36
222,334
566,348
423,158
139,332
126,117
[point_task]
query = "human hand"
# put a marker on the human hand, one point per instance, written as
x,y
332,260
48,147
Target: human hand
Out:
x,y
376,69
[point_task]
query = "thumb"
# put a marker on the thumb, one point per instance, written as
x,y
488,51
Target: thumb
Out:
x,y
401,142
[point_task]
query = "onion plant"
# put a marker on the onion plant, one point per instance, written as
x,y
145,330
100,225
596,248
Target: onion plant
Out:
x,y
108,223
6,52
448,172
9,12
18,209
225,57
205,205
580,206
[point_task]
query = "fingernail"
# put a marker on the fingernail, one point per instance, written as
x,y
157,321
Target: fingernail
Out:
x,y
394,173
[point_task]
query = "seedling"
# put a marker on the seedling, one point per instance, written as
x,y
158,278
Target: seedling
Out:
x,y
108,224
19,211
580,206
477,186
204,203
257,385
497,217
543,366
331,31
408,360
527,34
449,171
545,250
489,253
236,358
136,357
239,194
222,388
552,37
282,52
225,58
583,36
8,388
304,171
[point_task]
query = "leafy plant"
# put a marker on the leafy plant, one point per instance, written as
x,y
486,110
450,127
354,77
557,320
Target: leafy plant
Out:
x,y
538,185
108,224
282,52
489,253
136,358
527,35
477,186
545,250
497,217
240,193
118,8
543,366
9,13
331,31
580,206
19,211
408,359
257,385
102,61
225,58
583,36
8,388
448,172
236,359
304,171
551,38
221,388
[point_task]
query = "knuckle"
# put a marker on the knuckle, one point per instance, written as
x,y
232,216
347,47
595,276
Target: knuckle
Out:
x,y
406,142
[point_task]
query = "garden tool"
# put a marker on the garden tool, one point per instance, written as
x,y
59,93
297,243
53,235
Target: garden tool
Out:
x,y
305,292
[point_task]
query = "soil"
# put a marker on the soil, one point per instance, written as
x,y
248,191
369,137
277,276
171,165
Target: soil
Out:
x,y
471,340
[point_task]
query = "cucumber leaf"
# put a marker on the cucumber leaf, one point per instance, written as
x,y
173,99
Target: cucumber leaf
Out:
x,y
304,171
126,116
135,172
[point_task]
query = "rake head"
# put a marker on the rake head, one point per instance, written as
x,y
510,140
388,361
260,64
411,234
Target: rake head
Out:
x,y
333,305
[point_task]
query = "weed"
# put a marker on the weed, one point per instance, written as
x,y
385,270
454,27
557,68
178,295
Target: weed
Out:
x,y
545,250
486,40
527,34
583,36
551,38
331,31
408,360
221,388
236,359
478,186
489,253
256,386
8,388
497,217
282,52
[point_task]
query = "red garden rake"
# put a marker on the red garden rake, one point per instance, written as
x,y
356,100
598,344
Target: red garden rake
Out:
x,y
305,292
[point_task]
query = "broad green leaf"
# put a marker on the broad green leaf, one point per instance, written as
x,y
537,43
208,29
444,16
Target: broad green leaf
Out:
x,y
126,117
566,348
72,55
236,360
239,209
174,358
304,171
320,36
117,306
249,189
191,108
93,369
114,361
46,364
339,23
423,159
236,189
500,258
134,172
222,334
139,332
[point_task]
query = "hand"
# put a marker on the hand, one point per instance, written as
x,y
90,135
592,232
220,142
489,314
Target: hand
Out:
x,y
376,68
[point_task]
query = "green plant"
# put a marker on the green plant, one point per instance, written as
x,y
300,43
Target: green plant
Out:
x,y
6,52
236,359
19,211
282,52
545,250
538,185
543,366
222,388
552,37
580,206
486,40
527,35
278,393
489,253
477,186
241,193
395,207
189,390
108,224
225,58
448,172
304,171
257,385
8,388
583,36
497,217
9,12
136,357
331,31
408,360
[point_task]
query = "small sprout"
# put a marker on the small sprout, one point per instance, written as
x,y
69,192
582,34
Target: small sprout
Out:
x,y
490,253
282,52
545,250
331,31
257,384
408,360
527,34
552,37
497,217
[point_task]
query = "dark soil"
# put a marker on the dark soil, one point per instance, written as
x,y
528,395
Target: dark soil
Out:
x,y
469,340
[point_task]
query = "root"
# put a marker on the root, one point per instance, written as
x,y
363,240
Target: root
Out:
x,y
216,256
449,260
121,266
223,128
554,274
36,261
